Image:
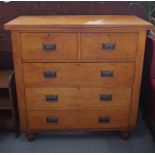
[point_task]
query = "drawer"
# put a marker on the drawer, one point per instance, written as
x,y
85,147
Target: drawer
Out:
x,y
49,46
100,46
71,98
77,74
83,119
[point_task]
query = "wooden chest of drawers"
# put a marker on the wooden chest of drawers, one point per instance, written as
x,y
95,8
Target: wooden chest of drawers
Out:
x,y
78,72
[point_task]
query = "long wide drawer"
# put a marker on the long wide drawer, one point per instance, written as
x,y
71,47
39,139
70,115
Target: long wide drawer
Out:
x,y
71,98
77,74
101,46
83,119
49,46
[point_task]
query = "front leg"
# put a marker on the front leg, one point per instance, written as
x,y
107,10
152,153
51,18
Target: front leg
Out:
x,y
30,136
124,135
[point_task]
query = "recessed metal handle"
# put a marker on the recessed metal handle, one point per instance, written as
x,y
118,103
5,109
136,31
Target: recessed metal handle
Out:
x,y
49,74
106,97
51,98
107,73
52,119
108,46
49,47
104,120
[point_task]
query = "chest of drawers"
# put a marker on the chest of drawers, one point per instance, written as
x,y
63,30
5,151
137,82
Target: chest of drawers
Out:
x,y
78,72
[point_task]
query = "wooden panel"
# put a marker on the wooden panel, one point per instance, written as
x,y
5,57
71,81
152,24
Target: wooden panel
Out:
x,y
123,45
77,74
65,45
137,79
19,80
83,119
36,98
113,21
73,98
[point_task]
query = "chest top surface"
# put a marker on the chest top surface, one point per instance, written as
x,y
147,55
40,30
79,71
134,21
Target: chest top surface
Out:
x,y
110,21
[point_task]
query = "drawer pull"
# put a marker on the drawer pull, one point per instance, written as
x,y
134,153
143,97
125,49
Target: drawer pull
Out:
x,y
52,120
51,98
104,119
108,46
49,74
106,97
107,73
49,47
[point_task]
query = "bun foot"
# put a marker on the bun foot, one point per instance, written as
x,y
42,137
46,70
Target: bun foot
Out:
x,y
125,135
30,136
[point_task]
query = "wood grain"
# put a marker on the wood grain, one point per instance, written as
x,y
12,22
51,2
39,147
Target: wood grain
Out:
x,y
73,98
125,46
114,21
32,45
83,119
19,80
77,68
77,74
137,79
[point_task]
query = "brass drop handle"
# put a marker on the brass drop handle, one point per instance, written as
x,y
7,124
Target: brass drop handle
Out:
x,y
108,46
51,98
107,73
106,97
52,119
104,120
49,74
49,47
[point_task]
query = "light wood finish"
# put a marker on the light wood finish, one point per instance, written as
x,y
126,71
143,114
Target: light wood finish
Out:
x,y
137,79
83,119
71,98
19,80
75,71
106,21
125,46
32,45
77,74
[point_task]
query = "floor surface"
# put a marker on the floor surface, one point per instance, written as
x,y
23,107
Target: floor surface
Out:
x,y
80,142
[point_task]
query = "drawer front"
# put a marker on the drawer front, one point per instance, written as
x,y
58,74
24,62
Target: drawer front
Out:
x,y
100,46
83,119
50,98
71,98
77,75
49,45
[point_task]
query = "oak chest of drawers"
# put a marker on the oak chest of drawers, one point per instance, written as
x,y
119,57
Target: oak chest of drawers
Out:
x,y
78,72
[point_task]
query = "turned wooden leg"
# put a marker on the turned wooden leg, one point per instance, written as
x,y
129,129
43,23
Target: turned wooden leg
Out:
x,y
125,135
30,136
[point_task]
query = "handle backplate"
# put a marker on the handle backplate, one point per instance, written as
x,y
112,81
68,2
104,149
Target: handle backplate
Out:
x,y
52,119
104,120
108,46
106,97
51,98
49,47
107,73
49,74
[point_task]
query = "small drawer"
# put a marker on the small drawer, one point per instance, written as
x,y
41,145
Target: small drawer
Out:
x,y
77,74
71,98
52,119
99,46
106,97
104,118
51,98
83,119
53,46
